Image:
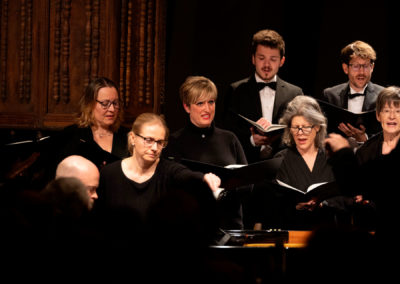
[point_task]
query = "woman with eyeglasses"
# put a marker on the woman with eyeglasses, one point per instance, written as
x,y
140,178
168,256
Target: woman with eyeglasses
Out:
x,y
304,163
97,134
131,187
372,171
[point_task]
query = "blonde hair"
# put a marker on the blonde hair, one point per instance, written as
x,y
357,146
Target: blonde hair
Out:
x,y
147,118
196,87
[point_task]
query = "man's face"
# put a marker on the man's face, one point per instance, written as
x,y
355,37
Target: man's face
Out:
x,y
91,180
267,62
359,72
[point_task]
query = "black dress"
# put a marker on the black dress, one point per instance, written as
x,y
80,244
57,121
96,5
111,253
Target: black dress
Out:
x,y
216,146
375,176
276,208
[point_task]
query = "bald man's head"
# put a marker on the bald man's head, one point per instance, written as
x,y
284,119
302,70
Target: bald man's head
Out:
x,y
82,169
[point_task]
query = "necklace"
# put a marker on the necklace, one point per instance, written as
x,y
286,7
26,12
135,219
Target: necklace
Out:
x,y
101,135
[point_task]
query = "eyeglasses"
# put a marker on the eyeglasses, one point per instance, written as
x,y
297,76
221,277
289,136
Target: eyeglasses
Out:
x,y
357,67
305,129
106,104
389,111
149,142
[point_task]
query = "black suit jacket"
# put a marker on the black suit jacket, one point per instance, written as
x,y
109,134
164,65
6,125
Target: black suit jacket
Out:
x,y
243,98
337,95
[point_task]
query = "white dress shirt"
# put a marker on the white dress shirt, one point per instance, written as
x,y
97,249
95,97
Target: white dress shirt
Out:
x,y
267,98
355,104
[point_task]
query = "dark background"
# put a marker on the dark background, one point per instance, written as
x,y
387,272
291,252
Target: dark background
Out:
x,y
212,38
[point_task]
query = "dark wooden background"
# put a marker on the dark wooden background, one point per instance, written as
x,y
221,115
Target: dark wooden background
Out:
x,y
50,49
212,38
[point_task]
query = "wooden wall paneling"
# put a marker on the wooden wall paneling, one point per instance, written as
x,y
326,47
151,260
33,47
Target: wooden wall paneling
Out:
x,y
49,50
3,49
159,56
144,49
22,34
73,58
40,57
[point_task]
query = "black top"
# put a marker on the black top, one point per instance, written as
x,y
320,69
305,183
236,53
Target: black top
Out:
x,y
79,141
374,175
211,145
118,193
276,208
295,172
216,146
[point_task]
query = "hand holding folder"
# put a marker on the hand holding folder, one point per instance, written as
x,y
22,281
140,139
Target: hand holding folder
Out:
x,y
317,191
272,130
235,176
337,115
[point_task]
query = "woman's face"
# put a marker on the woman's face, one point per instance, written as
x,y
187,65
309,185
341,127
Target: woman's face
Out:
x,y
149,142
389,117
202,112
106,109
303,133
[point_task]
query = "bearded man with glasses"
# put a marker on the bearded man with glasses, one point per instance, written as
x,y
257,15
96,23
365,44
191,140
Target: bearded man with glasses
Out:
x,y
359,93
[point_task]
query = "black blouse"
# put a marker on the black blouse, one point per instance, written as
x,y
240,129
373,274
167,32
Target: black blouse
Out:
x,y
216,146
211,145
118,193
295,172
79,141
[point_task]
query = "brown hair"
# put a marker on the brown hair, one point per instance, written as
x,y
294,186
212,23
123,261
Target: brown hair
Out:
x,y
88,100
390,96
147,118
360,49
268,38
196,87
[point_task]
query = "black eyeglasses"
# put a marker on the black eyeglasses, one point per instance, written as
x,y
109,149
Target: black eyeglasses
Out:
x,y
149,142
106,104
357,67
304,129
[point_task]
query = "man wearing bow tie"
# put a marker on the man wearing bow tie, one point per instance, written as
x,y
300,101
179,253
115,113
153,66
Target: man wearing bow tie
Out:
x,y
359,93
262,97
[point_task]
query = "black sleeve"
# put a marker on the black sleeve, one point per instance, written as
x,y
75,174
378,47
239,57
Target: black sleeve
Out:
x,y
347,172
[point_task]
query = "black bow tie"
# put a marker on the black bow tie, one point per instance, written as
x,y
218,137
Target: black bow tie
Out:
x,y
261,86
352,96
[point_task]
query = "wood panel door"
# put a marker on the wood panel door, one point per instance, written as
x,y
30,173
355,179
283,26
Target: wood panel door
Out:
x,y
49,50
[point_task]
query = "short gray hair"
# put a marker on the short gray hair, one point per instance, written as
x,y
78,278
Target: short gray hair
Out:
x,y
309,108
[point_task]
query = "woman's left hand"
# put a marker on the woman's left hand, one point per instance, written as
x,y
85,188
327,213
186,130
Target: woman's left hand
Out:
x,y
213,181
310,205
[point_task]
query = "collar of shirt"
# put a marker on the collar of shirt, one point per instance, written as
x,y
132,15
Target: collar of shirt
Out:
x,y
259,80
356,104
201,132
352,91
